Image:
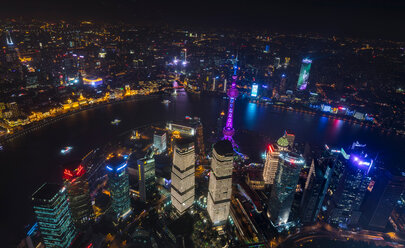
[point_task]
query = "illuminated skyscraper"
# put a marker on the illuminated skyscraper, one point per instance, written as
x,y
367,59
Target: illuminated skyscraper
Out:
x,y
271,165
304,74
183,175
220,184
52,213
118,185
283,84
255,89
285,183
348,189
146,170
272,159
78,194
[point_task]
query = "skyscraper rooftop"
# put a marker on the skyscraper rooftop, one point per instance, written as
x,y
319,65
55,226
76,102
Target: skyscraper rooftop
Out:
x,y
224,148
46,192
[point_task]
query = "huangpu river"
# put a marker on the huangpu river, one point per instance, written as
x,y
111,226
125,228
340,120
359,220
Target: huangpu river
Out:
x,y
32,159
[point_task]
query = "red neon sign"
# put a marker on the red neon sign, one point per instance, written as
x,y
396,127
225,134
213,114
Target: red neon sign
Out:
x,y
67,174
271,149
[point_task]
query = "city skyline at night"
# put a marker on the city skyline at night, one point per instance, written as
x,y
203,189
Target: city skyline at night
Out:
x,y
211,124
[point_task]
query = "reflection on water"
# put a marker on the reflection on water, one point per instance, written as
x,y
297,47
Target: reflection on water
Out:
x,y
250,116
33,159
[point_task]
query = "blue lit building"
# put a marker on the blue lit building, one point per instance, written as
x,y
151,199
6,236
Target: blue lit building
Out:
x,y
53,216
285,183
347,188
118,185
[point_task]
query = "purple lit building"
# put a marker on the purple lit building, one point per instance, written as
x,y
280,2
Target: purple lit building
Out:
x,y
348,187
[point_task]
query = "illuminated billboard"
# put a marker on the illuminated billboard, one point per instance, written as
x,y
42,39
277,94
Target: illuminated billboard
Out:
x,y
304,74
255,87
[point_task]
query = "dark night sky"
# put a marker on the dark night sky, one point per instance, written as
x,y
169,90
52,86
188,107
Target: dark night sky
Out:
x,y
364,18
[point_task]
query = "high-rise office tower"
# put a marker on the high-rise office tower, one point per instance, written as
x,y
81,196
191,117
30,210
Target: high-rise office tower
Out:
x,y
146,170
272,159
285,183
383,197
52,213
271,165
304,74
183,175
78,193
118,185
348,189
315,190
283,84
159,141
199,140
220,184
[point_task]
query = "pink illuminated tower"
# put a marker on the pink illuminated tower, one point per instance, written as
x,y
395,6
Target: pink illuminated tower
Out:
x,y
233,94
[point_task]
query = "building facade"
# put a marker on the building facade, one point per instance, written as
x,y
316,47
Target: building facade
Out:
x,y
183,176
285,183
349,188
147,180
118,185
304,74
79,195
383,198
316,186
220,184
53,216
160,141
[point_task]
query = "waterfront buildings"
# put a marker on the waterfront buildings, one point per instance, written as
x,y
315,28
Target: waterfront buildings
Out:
x,y
78,194
220,183
146,171
53,216
304,74
285,183
118,185
183,176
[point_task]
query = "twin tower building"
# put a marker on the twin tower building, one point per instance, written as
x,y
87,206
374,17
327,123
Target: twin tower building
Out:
x,y
220,182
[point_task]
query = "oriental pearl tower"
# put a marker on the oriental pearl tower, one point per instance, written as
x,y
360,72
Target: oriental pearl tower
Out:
x,y
232,94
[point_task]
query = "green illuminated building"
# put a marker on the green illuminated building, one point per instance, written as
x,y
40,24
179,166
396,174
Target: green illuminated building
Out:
x,y
304,74
53,216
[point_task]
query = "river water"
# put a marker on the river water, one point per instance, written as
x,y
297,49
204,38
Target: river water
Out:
x,y
30,160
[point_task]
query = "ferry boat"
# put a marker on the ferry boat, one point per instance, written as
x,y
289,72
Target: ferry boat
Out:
x,y
166,101
116,122
66,150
